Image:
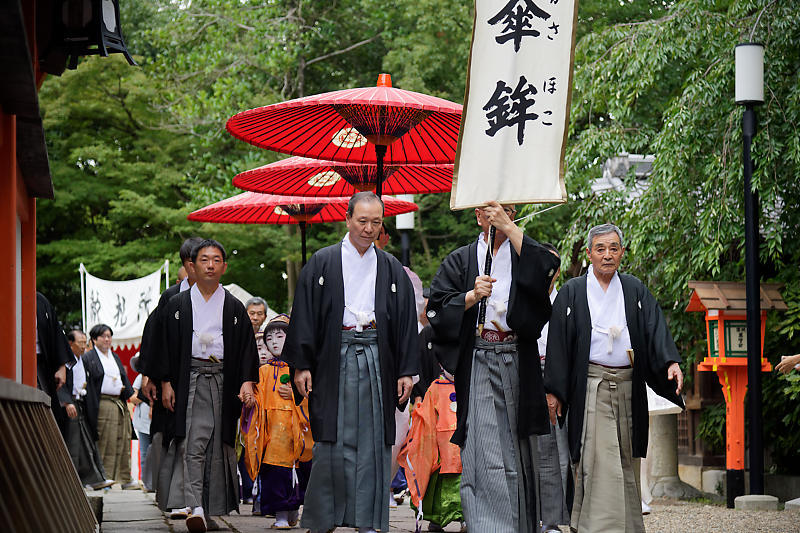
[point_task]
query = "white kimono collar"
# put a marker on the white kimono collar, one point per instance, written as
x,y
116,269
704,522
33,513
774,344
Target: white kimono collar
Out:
x,y
607,308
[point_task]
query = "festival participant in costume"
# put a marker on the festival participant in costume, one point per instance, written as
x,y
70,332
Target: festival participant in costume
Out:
x,y
607,338
278,435
352,346
213,366
166,451
501,399
106,407
433,463
554,478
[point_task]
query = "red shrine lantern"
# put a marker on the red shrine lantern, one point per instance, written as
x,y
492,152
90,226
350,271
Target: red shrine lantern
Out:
x,y
725,306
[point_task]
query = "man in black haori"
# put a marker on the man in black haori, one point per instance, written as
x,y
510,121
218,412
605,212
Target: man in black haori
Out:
x,y
213,367
608,338
498,380
53,356
354,333
166,451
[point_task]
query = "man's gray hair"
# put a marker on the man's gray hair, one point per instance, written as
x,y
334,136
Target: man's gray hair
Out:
x,y
602,229
256,300
363,196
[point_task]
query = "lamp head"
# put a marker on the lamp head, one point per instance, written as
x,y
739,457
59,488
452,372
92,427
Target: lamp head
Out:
x,y
749,73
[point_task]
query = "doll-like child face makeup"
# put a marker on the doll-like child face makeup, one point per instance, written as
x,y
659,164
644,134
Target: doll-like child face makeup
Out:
x,y
274,340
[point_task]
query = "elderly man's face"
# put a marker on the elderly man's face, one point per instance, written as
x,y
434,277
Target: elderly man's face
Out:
x,y
365,224
606,253
78,346
257,314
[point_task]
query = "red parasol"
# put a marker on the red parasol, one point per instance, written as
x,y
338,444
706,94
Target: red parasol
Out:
x,y
256,208
403,127
301,176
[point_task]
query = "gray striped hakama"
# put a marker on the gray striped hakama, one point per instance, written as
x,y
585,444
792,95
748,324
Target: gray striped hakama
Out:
x,y
350,478
209,464
170,489
553,469
607,497
497,481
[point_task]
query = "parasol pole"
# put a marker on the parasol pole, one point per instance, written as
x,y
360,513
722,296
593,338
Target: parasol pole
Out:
x,y
487,270
380,152
303,240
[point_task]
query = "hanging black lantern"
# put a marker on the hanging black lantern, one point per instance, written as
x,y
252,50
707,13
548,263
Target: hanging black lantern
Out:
x,y
82,28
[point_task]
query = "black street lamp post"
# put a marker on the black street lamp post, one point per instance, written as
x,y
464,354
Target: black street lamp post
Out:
x,y
750,92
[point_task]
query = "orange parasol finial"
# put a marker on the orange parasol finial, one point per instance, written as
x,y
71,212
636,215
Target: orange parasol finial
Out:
x,y
384,80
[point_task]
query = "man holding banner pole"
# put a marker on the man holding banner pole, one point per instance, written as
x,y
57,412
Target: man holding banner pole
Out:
x,y
499,392
511,148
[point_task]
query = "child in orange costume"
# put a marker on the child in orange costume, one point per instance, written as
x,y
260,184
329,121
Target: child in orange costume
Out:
x,y
278,439
432,463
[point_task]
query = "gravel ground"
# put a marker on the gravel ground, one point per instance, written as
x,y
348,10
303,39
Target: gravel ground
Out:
x,y
671,516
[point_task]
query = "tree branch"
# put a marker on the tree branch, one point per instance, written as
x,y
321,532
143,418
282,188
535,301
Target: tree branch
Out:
x,y
343,50
222,17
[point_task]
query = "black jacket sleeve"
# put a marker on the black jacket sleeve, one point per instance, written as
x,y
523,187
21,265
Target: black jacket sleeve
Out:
x,y
299,349
446,307
558,363
407,342
661,349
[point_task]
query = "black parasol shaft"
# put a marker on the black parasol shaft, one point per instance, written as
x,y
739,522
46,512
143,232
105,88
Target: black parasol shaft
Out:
x,y
487,270
303,240
380,152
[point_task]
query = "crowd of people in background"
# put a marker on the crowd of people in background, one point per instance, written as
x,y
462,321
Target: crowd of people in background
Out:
x,y
469,396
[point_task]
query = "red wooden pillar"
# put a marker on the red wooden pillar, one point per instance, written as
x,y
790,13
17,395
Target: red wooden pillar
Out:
x,y
28,245
10,341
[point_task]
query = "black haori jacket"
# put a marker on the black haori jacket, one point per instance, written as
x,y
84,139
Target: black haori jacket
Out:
x,y
154,361
94,382
314,338
528,311
152,352
53,345
567,364
240,358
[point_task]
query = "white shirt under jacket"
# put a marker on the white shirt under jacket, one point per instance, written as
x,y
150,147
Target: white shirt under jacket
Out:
x,y
497,303
207,324
78,380
112,381
610,336
358,274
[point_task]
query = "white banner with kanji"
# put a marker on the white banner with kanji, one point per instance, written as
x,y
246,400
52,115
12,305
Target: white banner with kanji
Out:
x,y
516,111
122,305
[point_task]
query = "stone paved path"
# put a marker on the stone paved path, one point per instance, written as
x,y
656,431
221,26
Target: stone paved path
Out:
x,y
135,511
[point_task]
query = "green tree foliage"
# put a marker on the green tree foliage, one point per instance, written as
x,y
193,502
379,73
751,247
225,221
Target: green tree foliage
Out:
x,y
122,192
665,86
133,150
